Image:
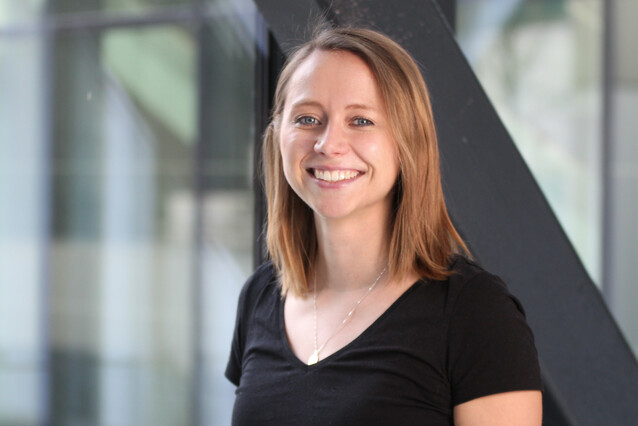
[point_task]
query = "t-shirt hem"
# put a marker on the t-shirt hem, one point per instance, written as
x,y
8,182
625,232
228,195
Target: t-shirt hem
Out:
x,y
462,398
233,378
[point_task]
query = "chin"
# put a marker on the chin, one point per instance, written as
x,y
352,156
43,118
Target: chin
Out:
x,y
336,213
332,210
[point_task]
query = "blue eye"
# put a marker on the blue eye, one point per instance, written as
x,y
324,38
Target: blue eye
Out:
x,y
362,122
306,121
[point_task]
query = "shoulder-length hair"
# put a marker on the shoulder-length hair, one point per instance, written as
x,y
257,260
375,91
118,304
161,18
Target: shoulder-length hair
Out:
x,y
423,237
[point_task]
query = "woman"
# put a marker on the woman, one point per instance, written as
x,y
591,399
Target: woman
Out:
x,y
368,313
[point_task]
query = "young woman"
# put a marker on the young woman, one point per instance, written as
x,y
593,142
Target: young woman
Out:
x,y
368,312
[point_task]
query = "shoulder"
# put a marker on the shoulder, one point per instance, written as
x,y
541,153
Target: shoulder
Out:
x,y
264,276
466,271
472,287
261,285
479,300
490,345
259,291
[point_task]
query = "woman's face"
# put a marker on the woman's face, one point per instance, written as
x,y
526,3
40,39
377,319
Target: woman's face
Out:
x,y
337,148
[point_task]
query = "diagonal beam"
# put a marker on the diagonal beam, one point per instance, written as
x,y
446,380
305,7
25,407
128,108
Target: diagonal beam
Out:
x,y
589,371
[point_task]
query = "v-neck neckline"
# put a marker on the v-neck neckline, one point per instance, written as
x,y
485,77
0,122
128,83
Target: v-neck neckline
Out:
x,y
298,363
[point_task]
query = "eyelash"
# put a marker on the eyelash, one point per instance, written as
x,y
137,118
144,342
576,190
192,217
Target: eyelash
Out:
x,y
300,120
367,122
358,121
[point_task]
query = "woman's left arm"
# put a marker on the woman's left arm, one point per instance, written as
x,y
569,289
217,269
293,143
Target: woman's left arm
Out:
x,y
520,408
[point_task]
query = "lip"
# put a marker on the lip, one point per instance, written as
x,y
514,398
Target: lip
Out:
x,y
331,168
336,184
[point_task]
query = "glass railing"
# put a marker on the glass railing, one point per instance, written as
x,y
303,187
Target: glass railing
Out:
x,y
126,212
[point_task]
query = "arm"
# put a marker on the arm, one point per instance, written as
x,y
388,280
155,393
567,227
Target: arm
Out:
x,y
493,362
520,408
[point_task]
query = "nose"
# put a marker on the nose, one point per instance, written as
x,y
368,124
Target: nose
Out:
x,y
332,141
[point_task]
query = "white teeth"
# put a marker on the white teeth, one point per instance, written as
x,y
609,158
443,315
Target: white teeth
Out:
x,y
335,176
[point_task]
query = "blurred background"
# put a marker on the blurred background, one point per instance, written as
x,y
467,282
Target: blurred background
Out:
x,y
127,206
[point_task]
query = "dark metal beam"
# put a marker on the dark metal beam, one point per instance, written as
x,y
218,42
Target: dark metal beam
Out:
x,y
448,9
589,371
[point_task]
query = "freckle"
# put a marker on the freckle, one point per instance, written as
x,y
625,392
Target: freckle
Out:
x,y
89,96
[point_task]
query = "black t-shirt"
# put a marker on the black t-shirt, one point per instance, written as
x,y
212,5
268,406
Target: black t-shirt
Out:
x,y
440,344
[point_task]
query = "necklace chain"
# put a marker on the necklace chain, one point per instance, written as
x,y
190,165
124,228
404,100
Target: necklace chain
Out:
x,y
314,358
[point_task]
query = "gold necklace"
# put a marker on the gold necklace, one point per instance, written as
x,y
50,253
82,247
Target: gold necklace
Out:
x,y
314,358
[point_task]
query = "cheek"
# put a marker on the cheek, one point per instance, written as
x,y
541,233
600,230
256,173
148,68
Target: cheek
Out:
x,y
293,148
386,151
393,154
392,161
289,156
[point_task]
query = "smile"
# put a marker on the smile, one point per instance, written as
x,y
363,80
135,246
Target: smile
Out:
x,y
335,175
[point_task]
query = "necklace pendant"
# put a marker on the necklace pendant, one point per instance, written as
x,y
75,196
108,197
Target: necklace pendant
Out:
x,y
314,358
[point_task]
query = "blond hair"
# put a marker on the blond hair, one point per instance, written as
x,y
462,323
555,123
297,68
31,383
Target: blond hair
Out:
x,y
423,236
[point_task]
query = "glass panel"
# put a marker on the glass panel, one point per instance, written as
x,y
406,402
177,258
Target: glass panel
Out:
x,y
23,237
622,291
19,11
227,108
123,252
540,63
74,6
126,158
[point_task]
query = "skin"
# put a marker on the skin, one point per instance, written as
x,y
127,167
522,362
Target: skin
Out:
x,y
334,119
522,408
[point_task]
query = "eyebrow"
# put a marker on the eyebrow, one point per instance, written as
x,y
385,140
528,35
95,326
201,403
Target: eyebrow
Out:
x,y
360,106
305,103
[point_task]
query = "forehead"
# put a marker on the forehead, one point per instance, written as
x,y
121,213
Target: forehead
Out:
x,y
335,59
325,73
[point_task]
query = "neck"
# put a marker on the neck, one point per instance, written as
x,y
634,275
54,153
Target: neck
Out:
x,y
351,253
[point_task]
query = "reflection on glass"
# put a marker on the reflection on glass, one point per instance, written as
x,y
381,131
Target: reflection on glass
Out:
x,y
121,258
622,291
75,6
19,11
22,229
126,160
540,63
227,104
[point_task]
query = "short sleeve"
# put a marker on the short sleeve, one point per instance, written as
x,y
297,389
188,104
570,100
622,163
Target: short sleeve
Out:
x,y
251,293
490,346
233,368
